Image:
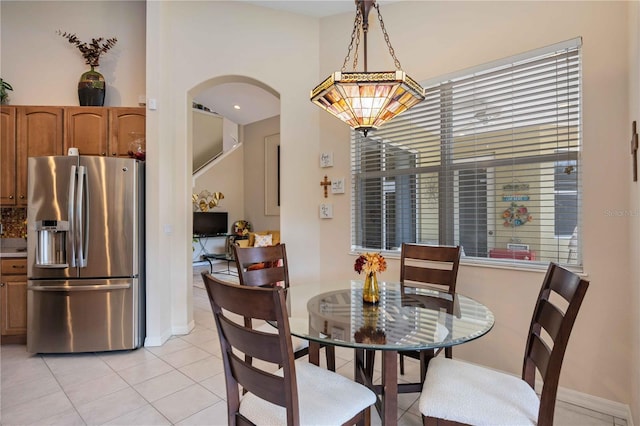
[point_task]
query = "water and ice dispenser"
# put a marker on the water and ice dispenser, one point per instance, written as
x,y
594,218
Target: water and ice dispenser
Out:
x,y
52,243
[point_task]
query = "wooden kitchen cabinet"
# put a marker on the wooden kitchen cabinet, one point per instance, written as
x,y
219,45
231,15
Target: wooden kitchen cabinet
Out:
x,y
102,131
13,297
26,132
34,131
123,122
86,128
8,156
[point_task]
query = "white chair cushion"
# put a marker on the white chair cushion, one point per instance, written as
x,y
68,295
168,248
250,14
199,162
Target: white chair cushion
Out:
x,y
467,393
296,342
324,398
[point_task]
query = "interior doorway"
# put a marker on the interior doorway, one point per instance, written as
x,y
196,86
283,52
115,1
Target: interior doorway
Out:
x,y
250,112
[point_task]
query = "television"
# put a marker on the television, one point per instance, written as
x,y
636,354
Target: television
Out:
x,y
209,224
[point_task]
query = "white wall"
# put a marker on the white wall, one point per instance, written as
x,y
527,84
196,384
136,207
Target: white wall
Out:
x,y
634,115
206,139
286,60
436,38
44,68
254,167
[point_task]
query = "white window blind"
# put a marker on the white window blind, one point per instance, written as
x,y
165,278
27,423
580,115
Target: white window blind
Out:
x,y
489,160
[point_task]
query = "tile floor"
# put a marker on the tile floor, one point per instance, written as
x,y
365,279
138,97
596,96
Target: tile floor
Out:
x,y
178,383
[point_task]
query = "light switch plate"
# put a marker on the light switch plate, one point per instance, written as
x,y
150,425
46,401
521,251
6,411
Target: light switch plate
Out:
x,y
337,186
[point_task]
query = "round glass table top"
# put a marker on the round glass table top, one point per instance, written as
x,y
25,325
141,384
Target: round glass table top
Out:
x,y
410,320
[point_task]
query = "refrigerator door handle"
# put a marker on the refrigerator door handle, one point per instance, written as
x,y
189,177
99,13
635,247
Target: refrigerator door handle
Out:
x,y
72,221
82,219
81,287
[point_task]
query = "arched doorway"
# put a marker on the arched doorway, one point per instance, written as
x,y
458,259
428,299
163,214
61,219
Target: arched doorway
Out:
x,y
239,169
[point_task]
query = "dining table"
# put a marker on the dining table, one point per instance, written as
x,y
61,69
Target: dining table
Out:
x,y
405,319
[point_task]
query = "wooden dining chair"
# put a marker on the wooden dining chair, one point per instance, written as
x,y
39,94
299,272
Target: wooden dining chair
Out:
x,y
429,266
299,392
456,392
268,267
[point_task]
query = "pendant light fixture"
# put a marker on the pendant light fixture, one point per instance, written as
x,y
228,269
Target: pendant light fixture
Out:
x,y
366,100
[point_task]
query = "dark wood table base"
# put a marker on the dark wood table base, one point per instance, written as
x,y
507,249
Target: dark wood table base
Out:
x,y
387,392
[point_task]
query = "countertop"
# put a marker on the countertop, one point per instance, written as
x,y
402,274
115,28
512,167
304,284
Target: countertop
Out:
x,y
13,247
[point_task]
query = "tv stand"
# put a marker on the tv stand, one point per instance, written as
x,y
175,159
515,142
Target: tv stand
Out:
x,y
227,256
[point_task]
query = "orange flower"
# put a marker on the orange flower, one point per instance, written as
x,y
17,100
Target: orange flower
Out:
x,y
370,262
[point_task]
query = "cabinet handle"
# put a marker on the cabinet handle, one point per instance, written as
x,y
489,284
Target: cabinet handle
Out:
x,y
104,154
114,154
1,284
22,197
17,266
11,197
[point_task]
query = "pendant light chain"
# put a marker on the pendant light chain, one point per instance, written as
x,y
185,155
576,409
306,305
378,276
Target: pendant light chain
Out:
x,y
355,36
362,99
386,38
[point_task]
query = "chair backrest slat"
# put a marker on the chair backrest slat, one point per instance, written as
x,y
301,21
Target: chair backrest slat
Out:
x,y
425,275
262,277
547,358
550,318
260,383
539,354
257,344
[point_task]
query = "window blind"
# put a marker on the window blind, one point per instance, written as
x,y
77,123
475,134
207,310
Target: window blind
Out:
x,y
490,160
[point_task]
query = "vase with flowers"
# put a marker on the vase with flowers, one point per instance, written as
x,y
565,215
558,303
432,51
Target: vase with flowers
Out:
x,y
92,86
370,264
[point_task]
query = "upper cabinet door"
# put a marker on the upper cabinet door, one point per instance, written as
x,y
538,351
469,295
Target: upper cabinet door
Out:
x,y
40,132
8,158
126,124
86,129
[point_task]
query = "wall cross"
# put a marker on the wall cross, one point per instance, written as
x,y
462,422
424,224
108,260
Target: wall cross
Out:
x,y
326,183
634,150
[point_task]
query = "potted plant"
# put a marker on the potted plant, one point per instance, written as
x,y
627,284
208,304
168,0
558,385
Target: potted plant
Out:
x,y
4,96
91,87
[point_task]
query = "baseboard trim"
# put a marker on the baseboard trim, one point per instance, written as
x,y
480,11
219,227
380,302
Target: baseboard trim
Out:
x,y
182,330
157,340
595,403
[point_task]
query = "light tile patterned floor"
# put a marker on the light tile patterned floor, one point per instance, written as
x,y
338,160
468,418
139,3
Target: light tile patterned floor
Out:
x,y
178,383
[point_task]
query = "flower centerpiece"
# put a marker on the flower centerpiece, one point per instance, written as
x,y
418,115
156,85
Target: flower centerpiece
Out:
x,y
92,87
370,264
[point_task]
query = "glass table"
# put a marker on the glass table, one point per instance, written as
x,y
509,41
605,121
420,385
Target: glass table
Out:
x,y
416,319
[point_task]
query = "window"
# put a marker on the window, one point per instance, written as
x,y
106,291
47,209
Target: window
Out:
x,y
489,160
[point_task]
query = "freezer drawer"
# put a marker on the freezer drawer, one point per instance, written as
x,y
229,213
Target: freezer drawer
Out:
x,y
84,315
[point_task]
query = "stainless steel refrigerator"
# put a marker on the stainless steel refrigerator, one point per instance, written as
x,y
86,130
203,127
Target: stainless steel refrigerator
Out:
x,y
85,241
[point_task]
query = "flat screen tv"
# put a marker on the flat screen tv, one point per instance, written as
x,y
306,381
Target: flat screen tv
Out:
x,y
209,224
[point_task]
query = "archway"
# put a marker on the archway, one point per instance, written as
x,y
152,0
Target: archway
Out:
x,y
221,175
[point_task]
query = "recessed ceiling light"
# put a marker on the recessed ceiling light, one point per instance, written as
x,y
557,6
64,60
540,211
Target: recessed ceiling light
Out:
x,y
236,106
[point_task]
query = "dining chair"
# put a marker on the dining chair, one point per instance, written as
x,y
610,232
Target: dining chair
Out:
x,y
430,266
296,393
268,267
456,392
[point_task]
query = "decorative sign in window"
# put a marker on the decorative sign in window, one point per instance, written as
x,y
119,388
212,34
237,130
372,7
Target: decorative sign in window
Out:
x,y
515,191
516,214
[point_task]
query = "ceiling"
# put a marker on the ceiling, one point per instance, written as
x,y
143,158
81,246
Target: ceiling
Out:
x,y
256,103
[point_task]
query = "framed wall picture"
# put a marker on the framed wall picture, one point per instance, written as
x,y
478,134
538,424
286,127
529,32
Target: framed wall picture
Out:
x,y
272,175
